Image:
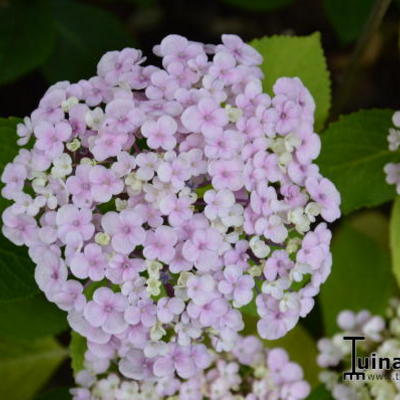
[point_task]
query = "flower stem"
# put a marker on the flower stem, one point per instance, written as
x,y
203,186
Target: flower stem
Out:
x,y
371,26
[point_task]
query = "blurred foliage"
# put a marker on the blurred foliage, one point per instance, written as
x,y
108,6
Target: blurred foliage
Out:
x,y
81,40
395,238
353,154
259,5
348,17
26,37
25,366
31,318
61,393
77,348
361,276
301,57
320,393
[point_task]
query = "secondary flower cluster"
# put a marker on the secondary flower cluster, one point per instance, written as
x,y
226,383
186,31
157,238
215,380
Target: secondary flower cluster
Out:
x,y
392,170
249,372
157,202
382,340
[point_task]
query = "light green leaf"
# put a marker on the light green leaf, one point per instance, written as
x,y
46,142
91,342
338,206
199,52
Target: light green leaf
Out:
x,y
395,238
297,56
348,17
320,393
84,34
31,318
77,348
259,5
353,155
26,366
26,37
361,275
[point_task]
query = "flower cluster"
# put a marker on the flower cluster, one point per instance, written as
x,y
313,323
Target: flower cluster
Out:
x,y
392,170
157,202
249,372
382,340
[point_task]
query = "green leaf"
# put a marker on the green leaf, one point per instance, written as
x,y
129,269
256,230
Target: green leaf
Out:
x,y
320,393
353,155
302,349
55,394
361,275
26,366
259,5
348,17
395,238
31,318
77,348
26,37
16,268
297,56
85,33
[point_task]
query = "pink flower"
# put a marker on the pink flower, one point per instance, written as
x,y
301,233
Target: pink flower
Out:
x,y
237,286
13,176
80,187
179,359
73,222
206,117
125,228
160,244
274,323
201,289
178,209
106,310
226,174
202,249
91,263
20,229
324,192
50,137
104,184
122,268
160,133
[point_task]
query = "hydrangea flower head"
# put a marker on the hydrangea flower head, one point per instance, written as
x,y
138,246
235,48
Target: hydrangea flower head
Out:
x,y
157,202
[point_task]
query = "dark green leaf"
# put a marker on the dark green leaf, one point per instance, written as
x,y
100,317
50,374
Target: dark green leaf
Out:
x,y
295,56
55,394
31,318
361,276
353,155
26,37
348,17
259,5
26,366
320,393
85,33
77,349
16,268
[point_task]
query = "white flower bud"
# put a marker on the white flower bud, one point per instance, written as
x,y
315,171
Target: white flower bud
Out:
x,y
259,247
120,204
74,145
67,104
102,238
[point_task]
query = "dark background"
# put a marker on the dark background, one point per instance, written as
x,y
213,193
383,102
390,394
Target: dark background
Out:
x,y
82,31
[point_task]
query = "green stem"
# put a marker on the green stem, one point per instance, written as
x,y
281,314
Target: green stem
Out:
x,y
371,26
